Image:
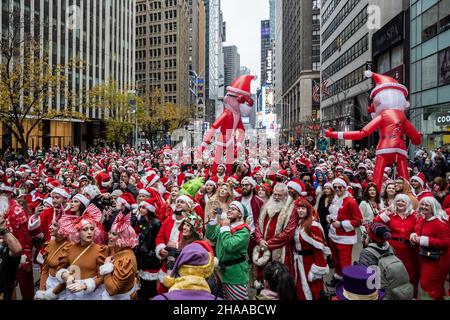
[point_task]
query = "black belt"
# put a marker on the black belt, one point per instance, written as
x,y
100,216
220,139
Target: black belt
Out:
x,y
232,262
304,252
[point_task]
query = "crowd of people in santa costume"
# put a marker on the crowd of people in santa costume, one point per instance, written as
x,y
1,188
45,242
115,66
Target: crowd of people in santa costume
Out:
x,y
108,224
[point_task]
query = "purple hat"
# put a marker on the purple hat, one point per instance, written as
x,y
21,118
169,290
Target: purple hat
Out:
x,y
356,283
195,255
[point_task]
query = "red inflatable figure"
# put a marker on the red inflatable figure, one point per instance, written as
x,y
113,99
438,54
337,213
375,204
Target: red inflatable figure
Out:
x,y
237,103
387,110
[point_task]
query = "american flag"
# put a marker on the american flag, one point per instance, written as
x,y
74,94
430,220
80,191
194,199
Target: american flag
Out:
x,y
317,88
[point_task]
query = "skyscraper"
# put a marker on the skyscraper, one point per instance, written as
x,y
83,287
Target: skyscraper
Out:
x,y
301,63
162,48
265,48
232,64
101,33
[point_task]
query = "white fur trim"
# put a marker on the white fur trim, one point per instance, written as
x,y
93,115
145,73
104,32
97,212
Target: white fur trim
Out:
x,y
295,186
149,276
161,276
50,295
59,274
34,223
347,226
144,192
90,285
368,74
213,222
424,241
216,262
316,272
148,206
396,86
340,182
158,249
61,192
385,217
225,229
316,244
412,235
40,258
107,268
39,295
391,150
340,135
299,265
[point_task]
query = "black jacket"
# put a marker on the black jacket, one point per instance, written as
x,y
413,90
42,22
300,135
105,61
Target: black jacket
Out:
x,y
145,250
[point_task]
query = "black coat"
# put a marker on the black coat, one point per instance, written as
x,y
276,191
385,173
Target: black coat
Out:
x,y
145,250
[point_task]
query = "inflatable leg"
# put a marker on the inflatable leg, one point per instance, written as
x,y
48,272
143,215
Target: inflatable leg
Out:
x,y
378,172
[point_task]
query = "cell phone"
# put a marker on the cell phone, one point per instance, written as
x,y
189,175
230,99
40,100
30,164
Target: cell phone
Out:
x,y
218,211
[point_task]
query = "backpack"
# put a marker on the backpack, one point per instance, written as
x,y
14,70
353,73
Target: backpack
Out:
x,y
394,276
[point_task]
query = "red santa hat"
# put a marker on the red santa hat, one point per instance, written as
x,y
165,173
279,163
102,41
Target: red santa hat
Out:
x,y
298,186
62,192
188,199
383,82
242,85
6,188
52,183
85,201
127,200
144,192
149,179
103,179
165,181
283,173
420,177
149,204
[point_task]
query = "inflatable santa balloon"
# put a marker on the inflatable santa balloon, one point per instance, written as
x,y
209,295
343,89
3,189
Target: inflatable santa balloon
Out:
x,y
387,110
237,103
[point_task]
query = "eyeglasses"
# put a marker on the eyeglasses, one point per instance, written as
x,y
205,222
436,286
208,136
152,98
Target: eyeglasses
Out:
x,y
338,187
306,180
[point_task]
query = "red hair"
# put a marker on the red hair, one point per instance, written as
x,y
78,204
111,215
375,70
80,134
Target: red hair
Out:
x,y
311,215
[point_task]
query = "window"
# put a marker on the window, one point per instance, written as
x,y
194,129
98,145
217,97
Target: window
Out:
x,y
384,63
444,15
315,19
397,57
316,35
316,4
430,23
429,75
316,66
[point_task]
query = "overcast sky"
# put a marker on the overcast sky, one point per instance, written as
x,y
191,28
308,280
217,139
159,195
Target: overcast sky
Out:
x,y
243,18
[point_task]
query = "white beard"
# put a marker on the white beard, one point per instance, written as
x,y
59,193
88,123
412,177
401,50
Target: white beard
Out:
x,y
274,207
4,206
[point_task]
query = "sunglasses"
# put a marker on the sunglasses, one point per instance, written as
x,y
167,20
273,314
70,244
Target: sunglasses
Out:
x,y
338,188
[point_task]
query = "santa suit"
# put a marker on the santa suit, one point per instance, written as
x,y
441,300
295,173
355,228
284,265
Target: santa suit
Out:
x,y
17,219
401,230
346,211
270,225
310,265
169,232
434,234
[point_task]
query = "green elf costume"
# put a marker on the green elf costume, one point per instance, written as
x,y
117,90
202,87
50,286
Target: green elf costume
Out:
x,y
231,250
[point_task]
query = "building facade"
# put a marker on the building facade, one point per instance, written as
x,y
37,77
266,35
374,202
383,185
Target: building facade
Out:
x,y
106,44
430,71
301,64
162,49
232,64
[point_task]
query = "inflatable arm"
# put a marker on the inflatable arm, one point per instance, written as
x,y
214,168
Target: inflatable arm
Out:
x,y
355,135
413,134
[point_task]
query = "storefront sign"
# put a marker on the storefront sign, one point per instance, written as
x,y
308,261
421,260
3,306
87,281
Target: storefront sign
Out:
x,y
443,119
